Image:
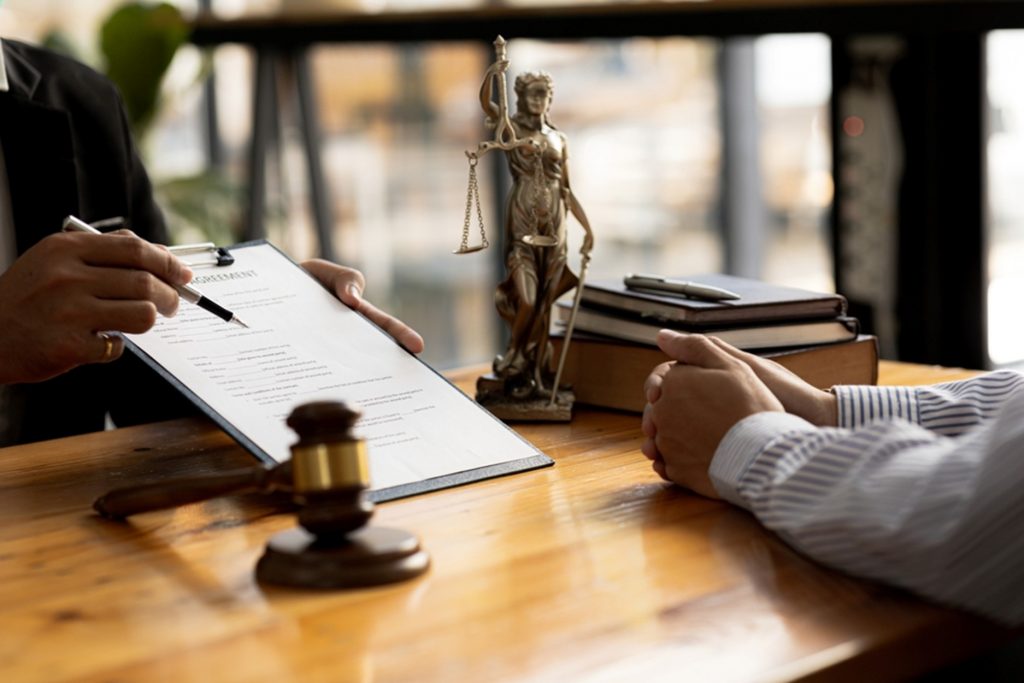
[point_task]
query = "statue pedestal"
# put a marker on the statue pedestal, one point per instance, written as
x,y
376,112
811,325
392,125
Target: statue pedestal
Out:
x,y
491,394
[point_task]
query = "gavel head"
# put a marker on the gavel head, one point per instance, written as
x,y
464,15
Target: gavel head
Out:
x,y
330,470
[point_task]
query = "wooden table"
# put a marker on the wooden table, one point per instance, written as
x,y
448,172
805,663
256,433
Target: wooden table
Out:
x,y
589,570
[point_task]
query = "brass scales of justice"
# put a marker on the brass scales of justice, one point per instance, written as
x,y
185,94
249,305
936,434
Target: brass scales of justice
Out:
x,y
521,384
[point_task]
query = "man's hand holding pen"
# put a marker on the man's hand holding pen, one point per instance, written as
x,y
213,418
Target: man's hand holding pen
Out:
x,y
185,291
60,296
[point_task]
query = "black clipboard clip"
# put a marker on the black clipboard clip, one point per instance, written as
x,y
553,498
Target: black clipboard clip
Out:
x,y
203,254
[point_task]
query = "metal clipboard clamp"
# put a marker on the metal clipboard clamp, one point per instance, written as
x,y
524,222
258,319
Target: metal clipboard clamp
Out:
x,y
202,255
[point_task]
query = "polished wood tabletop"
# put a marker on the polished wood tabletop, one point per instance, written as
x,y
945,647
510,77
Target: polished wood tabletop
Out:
x,y
591,570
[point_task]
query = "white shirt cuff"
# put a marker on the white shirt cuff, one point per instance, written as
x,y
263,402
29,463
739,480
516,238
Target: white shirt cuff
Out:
x,y
741,446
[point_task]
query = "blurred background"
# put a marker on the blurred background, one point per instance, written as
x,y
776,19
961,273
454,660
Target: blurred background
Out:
x,y
644,126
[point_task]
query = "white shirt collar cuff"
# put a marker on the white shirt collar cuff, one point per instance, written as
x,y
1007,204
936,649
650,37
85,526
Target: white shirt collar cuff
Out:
x,y
743,444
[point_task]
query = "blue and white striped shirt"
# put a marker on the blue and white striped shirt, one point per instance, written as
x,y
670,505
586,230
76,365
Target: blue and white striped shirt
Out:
x,y
921,487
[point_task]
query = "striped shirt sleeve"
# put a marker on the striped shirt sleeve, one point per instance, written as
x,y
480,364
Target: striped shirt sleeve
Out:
x,y
948,409
898,500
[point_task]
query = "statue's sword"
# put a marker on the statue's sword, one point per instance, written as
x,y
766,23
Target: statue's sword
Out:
x,y
584,262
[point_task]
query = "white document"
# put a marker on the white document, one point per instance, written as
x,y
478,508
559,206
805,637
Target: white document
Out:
x,y
303,344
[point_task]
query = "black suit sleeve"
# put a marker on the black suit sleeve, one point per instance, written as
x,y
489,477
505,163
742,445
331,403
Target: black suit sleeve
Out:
x,y
142,396
69,149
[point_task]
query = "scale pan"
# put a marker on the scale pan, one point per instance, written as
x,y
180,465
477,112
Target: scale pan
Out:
x,y
540,240
469,250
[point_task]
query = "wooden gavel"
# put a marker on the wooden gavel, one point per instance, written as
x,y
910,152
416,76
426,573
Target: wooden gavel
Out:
x,y
325,431
327,477
169,493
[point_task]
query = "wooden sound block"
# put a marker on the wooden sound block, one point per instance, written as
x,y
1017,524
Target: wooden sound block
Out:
x,y
371,556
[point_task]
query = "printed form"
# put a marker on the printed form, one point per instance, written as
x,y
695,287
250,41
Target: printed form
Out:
x,y
305,345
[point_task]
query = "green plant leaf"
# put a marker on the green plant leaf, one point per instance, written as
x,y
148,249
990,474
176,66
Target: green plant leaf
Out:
x,y
208,203
138,42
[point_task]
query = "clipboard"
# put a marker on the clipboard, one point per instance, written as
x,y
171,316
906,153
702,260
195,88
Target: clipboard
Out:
x,y
423,434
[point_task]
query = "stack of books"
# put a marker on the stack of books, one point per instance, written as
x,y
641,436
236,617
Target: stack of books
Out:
x,y
613,345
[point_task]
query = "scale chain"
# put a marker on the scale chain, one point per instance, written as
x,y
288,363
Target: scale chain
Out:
x,y
473,197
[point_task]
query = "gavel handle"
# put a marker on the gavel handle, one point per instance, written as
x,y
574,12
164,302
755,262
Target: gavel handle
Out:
x,y
159,495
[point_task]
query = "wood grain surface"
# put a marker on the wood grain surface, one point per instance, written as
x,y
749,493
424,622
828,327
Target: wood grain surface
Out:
x,y
592,570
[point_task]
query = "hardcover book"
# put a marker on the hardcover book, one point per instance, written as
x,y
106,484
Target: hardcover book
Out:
x,y
759,302
750,337
610,374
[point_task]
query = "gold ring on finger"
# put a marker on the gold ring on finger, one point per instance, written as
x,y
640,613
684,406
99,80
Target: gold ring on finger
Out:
x,y
108,349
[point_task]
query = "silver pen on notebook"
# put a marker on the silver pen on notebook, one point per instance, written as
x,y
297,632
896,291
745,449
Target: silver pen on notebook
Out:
x,y
187,292
694,290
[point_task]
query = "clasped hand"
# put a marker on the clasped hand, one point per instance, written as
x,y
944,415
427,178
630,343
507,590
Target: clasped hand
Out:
x,y
694,400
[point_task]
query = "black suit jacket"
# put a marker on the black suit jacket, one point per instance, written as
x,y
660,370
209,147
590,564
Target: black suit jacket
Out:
x,y
68,149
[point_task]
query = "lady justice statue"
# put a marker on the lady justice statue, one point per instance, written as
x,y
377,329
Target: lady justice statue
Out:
x,y
524,381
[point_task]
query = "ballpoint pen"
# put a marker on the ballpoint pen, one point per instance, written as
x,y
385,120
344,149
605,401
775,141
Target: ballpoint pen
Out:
x,y
694,290
187,292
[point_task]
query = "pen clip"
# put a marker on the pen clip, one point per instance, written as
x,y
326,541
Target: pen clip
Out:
x,y
643,280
